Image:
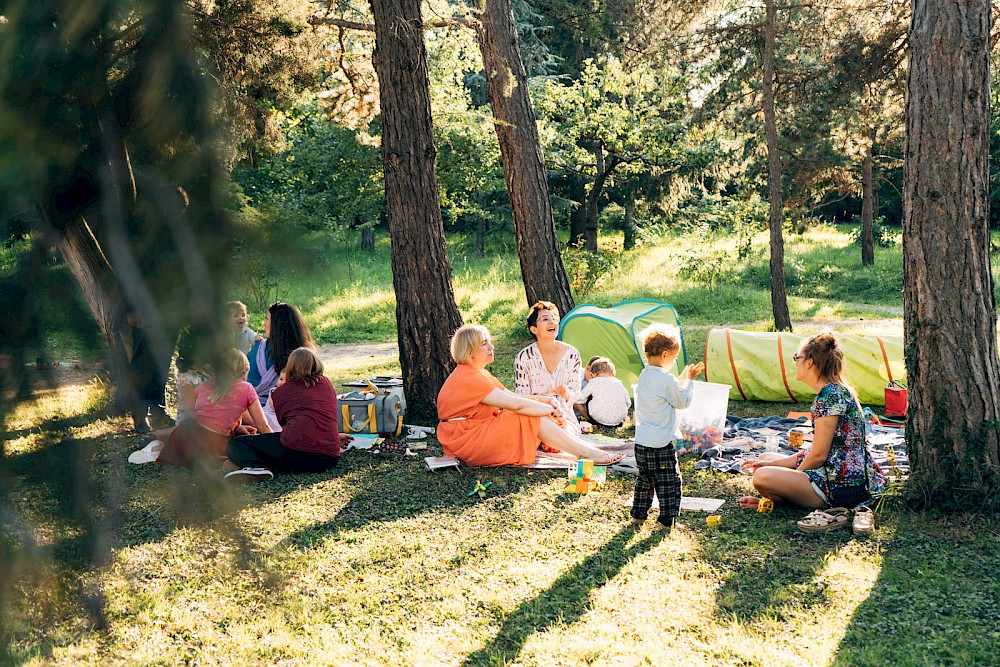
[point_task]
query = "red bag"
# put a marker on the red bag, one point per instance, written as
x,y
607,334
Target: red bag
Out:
x,y
895,399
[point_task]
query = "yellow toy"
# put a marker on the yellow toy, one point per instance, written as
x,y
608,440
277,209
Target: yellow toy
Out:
x,y
479,489
765,505
585,477
713,520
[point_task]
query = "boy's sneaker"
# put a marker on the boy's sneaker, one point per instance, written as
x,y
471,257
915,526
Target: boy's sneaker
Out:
x,y
249,475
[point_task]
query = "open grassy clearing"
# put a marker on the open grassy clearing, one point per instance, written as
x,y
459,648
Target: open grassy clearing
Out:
x,y
381,562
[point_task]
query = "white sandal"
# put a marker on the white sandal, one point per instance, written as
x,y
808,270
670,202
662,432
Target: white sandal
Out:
x,y
823,520
864,520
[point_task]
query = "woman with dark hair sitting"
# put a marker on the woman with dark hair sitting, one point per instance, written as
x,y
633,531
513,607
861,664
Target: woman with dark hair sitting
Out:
x,y
284,331
549,368
837,471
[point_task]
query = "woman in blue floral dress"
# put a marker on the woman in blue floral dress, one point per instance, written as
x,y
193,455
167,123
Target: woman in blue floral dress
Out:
x,y
837,471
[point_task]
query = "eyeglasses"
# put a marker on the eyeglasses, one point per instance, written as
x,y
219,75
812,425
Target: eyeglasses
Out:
x,y
797,357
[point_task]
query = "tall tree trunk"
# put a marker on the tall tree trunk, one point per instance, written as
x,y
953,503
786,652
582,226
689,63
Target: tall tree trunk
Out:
x,y
523,165
779,298
629,221
426,313
948,296
481,237
85,259
868,205
578,223
368,238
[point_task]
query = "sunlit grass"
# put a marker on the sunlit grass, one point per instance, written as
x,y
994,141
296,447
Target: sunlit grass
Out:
x,y
382,563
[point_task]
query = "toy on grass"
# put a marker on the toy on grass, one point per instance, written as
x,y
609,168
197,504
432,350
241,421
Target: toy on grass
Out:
x,y
765,505
713,520
479,489
584,476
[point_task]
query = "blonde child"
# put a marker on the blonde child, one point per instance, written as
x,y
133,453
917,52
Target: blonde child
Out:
x,y
605,398
658,396
243,336
220,406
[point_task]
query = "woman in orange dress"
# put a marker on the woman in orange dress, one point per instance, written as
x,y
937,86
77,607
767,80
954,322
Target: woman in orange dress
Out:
x,y
485,424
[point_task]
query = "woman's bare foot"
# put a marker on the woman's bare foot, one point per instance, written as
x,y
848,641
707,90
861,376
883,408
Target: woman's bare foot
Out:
x,y
609,459
749,502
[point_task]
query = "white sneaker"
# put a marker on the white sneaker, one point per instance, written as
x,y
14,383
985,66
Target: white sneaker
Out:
x,y
147,454
249,475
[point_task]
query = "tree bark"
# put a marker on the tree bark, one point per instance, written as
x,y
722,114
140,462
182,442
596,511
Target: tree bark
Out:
x,y
578,224
868,205
520,148
85,259
948,296
779,298
426,313
368,238
629,221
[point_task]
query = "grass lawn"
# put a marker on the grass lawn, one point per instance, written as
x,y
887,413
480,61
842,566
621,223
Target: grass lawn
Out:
x,y
382,563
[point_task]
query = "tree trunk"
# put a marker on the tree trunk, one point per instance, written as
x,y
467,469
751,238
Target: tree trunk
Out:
x,y
578,224
523,165
948,297
629,221
868,205
85,259
481,238
368,238
779,299
426,313
593,210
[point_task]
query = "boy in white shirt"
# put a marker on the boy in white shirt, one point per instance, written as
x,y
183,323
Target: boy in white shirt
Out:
x,y
658,396
605,399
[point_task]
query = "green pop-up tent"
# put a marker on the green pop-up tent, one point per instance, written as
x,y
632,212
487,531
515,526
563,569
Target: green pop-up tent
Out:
x,y
613,333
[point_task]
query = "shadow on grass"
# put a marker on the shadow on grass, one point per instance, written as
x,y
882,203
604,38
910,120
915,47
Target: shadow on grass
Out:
x,y
936,600
378,498
566,601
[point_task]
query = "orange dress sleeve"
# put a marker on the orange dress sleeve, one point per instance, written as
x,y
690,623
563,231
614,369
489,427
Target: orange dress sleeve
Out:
x,y
480,434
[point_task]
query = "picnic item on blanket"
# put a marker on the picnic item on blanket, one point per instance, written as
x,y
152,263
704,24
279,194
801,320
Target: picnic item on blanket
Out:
x,y
585,477
864,520
759,365
713,520
439,462
796,437
823,520
701,424
479,489
612,333
386,385
364,441
895,399
418,432
369,411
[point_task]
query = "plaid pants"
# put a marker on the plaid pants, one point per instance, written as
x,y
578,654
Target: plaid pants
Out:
x,y
659,472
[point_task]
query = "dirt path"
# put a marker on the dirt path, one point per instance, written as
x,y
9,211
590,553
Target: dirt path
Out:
x,y
334,354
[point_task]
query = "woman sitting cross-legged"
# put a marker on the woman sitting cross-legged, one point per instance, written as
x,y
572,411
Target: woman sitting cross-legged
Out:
x,y
837,471
305,404
485,424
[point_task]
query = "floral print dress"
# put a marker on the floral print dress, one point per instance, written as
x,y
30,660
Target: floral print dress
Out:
x,y
848,463
532,378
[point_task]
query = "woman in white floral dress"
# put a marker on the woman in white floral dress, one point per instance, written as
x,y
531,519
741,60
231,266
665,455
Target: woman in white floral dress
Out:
x,y
548,368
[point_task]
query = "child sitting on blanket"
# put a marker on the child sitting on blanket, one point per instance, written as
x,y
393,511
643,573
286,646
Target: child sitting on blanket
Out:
x,y
658,396
605,399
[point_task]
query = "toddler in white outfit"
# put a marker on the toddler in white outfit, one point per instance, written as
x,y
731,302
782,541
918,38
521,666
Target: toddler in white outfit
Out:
x,y
605,398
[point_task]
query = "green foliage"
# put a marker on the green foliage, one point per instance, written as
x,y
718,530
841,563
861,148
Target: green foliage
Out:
x,y
325,178
882,234
585,268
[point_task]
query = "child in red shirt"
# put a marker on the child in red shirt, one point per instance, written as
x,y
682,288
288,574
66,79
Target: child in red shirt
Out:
x,y
305,403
